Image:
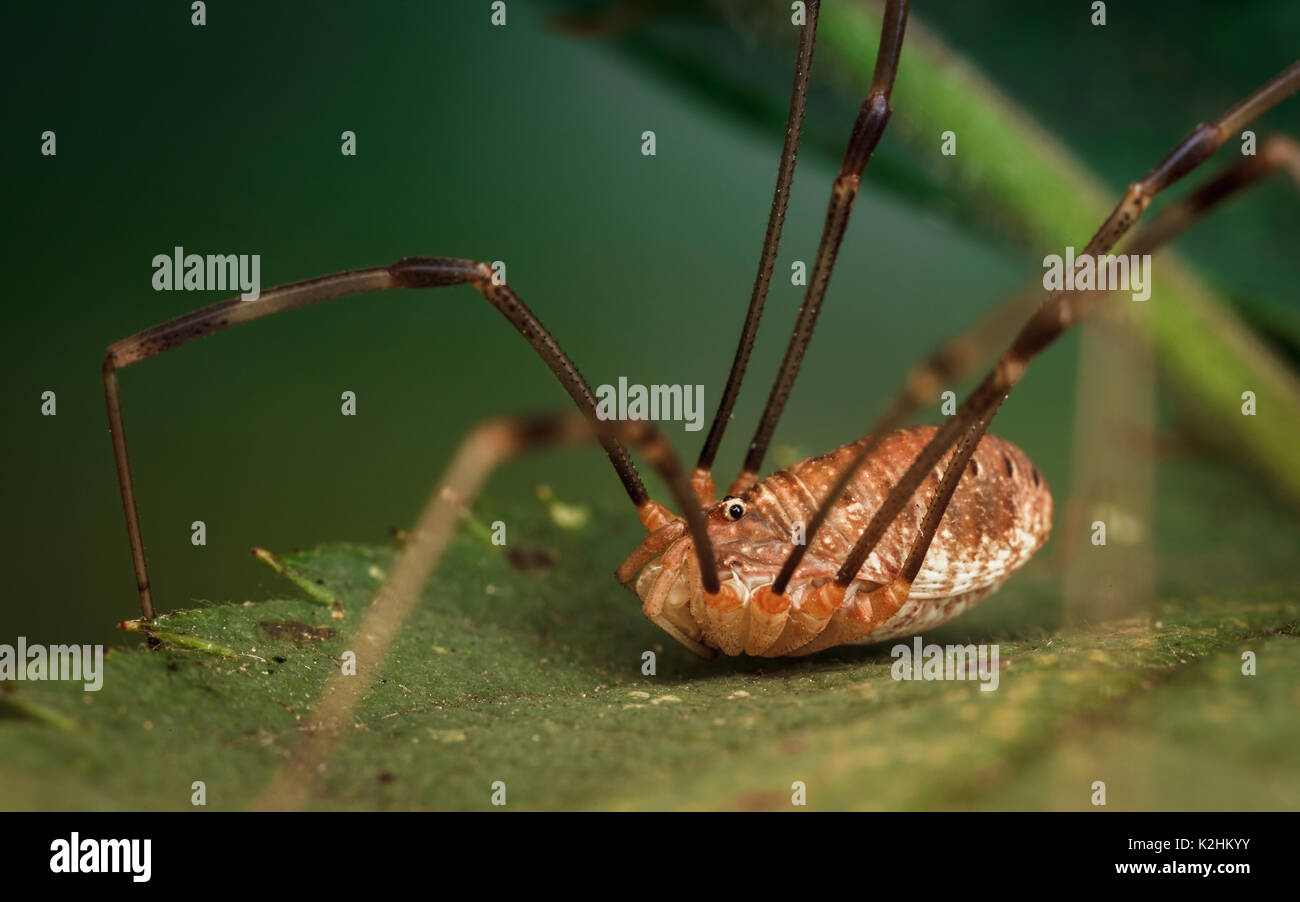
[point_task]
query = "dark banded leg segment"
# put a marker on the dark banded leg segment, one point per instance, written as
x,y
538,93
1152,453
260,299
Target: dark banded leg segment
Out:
x,y
867,130
702,478
411,272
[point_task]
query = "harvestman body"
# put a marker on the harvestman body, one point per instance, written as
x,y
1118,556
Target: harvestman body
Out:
x,y
1000,514
891,534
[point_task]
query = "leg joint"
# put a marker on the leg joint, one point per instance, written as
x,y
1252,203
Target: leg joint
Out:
x,y
433,272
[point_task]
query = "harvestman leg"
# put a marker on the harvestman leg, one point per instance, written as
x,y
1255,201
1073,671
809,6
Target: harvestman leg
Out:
x,y
867,130
959,356
1061,310
411,272
702,478
490,444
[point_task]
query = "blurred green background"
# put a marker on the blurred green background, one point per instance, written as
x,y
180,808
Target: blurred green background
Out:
x,y
519,144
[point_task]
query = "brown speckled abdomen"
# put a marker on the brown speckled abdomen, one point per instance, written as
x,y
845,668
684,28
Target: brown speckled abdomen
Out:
x,y
1000,514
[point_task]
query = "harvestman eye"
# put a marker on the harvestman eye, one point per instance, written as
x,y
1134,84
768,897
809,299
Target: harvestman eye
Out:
x,y
735,508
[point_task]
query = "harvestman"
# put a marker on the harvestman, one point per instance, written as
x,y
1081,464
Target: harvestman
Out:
x,y
902,530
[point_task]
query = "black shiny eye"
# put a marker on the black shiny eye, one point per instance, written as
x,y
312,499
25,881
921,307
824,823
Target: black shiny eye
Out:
x,y
735,508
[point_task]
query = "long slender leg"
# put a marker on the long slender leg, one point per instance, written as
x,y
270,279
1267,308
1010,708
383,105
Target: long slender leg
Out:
x,y
867,130
702,479
411,272
490,444
1278,153
190,327
1061,310
959,356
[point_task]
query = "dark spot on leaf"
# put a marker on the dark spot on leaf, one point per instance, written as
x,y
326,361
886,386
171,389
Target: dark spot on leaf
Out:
x,y
295,631
530,559
386,777
320,582
279,660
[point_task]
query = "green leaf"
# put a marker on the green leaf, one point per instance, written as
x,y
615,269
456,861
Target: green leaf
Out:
x,y
533,677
